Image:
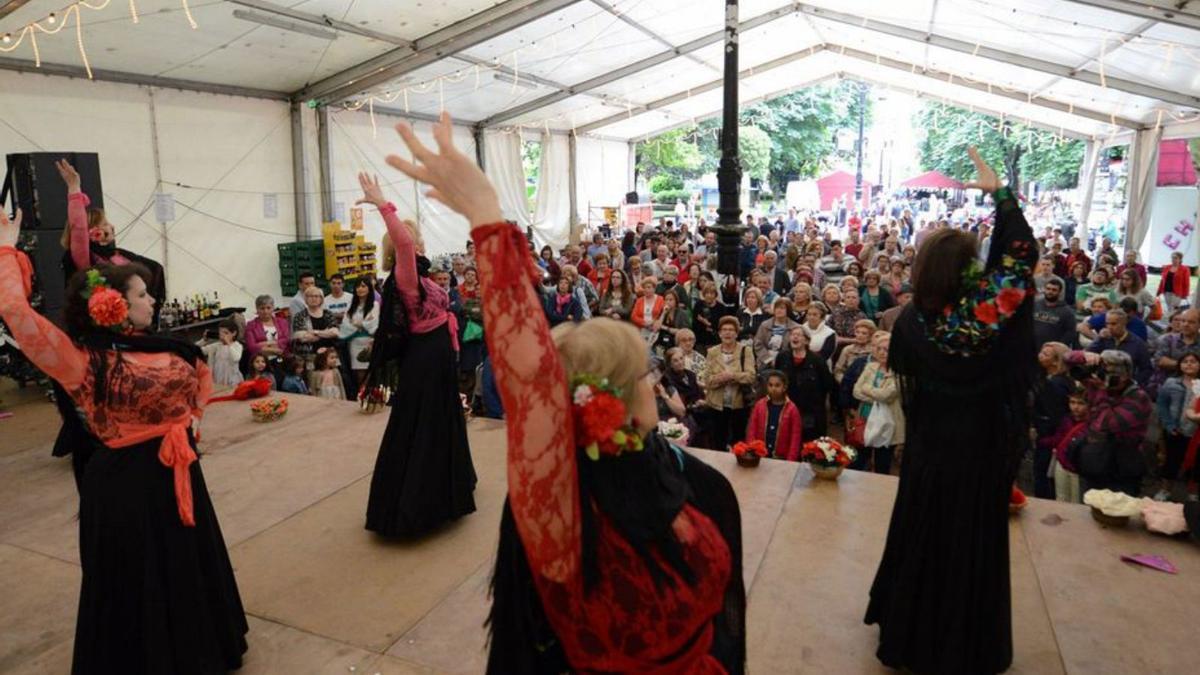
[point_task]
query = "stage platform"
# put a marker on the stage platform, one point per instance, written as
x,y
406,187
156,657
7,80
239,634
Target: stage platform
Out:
x,y
326,596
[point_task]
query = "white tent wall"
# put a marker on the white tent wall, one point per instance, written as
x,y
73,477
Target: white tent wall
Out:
x,y
231,150
552,218
1143,174
357,145
602,175
502,163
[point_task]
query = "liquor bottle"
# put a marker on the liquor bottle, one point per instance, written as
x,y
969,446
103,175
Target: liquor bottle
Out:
x,y
216,303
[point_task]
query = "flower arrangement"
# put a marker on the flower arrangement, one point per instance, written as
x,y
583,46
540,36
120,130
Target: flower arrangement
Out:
x,y
1017,500
106,306
827,457
675,431
268,409
374,399
600,414
749,454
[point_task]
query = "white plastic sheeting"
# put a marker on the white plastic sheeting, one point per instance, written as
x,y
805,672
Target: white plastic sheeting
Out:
x,y
502,162
357,145
1143,176
601,174
228,151
552,217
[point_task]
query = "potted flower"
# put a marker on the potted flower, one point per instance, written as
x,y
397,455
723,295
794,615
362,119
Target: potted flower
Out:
x,y
268,409
674,431
374,399
749,454
827,457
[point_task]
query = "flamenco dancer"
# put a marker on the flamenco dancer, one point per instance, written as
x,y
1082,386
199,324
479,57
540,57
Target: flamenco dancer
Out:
x,y
423,474
89,241
158,593
618,553
964,353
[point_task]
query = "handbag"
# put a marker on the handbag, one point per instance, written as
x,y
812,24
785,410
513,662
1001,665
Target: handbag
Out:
x,y
880,427
856,431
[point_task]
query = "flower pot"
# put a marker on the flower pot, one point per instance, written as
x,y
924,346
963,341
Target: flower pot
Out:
x,y
827,472
748,460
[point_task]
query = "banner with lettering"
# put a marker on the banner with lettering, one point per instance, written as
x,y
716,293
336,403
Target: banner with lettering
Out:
x,y
1172,226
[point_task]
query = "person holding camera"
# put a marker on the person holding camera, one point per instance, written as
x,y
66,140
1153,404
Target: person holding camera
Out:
x,y
1118,416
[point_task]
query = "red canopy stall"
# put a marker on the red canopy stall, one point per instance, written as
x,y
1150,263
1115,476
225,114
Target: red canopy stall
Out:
x,y
839,184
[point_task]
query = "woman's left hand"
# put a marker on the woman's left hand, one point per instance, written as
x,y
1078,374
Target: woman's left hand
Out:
x,y
372,192
10,230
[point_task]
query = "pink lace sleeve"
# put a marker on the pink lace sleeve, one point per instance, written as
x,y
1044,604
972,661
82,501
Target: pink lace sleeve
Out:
x,y
41,341
81,246
542,485
406,254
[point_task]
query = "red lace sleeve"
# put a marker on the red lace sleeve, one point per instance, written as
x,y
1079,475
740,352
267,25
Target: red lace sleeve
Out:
x,y
41,341
80,240
406,254
542,486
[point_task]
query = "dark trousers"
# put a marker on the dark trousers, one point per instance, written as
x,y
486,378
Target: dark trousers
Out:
x,y
1043,484
1177,445
882,459
728,426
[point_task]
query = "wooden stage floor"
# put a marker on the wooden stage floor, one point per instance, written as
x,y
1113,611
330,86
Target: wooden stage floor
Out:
x,y
325,596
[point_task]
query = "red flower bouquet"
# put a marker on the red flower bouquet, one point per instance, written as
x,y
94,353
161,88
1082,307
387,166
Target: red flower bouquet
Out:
x,y
269,409
107,308
749,454
827,457
600,419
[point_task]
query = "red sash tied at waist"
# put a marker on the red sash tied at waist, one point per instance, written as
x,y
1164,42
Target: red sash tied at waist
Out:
x,y
176,453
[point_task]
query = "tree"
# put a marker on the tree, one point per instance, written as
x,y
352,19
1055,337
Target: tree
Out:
x,y
754,149
1024,153
672,153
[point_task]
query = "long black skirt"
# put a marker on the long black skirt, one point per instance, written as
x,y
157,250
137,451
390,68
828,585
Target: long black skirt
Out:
x,y
157,596
423,474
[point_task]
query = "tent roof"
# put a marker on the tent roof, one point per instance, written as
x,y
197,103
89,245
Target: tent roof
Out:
x,y
935,180
632,68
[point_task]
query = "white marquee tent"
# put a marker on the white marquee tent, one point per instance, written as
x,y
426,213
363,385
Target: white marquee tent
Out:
x,y
290,98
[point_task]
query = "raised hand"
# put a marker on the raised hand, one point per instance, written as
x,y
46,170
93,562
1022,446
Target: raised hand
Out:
x,y
372,193
986,178
454,179
69,175
10,230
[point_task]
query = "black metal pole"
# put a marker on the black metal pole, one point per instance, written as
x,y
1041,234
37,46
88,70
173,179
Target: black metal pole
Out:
x,y
858,177
729,226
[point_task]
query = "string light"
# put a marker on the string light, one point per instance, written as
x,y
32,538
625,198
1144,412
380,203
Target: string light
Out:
x,y
58,19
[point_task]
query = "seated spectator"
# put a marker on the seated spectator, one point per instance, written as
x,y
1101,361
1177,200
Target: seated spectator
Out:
x,y
1097,322
601,274
833,266
1099,307
775,420
295,380
809,383
674,319
1131,263
1101,286
876,386
616,302
1130,285
670,284
562,305
1076,278
1053,319
547,262
670,403
684,380
583,290
259,370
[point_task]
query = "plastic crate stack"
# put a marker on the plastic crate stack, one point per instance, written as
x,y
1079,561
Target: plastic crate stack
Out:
x,y
301,256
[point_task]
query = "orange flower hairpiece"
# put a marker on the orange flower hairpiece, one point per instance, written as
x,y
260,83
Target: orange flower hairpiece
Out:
x,y
106,305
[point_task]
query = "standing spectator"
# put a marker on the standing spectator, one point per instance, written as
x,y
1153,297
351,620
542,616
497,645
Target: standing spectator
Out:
x,y
772,335
1175,283
636,273
266,333
1049,409
888,319
751,315
878,386
225,355
1075,254
706,318
1176,397
1053,319
845,316
821,338
833,266
875,299
809,383
1131,263
730,376
693,360
1071,435
338,300
294,378
1118,416
297,305
859,346
313,327
358,327
776,421
1116,336
1172,347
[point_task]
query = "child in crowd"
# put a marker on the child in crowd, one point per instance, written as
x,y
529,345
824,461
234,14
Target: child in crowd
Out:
x,y
1071,435
259,370
775,420
326,380
225,355
293,378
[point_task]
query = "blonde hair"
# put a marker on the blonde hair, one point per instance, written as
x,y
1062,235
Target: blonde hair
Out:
x,y
604,348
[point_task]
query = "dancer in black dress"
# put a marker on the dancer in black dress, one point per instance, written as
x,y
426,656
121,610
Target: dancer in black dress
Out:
x,y
158,592
964,352
423,474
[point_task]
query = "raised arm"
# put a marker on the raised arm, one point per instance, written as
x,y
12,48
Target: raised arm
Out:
x,y
401,234
40,340
542,482
76,237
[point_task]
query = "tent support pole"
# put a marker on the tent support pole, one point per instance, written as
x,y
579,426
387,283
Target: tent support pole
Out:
x,y
572,193
299,171
326,162
158,183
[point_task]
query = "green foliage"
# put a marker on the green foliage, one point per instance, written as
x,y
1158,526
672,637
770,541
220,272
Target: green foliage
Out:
x,y
670,196
665,181
793,135
1022,153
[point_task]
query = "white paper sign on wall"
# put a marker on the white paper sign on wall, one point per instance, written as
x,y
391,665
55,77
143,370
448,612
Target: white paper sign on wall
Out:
x,y
270,205
164,207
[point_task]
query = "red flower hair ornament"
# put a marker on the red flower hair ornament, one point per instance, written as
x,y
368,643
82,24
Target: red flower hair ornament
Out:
x,y
106,305
599,415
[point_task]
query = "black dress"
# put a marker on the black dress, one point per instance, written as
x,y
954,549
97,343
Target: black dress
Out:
x,y
423,476
941,596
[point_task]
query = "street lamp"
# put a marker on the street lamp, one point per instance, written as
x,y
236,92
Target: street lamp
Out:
x,y
729,226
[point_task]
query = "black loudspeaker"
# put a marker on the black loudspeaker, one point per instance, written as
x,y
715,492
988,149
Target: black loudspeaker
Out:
x,y
631,197
45,251
39,191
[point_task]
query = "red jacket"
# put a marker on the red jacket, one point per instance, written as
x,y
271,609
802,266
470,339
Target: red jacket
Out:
x,y
1181,284
638,315
787,438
